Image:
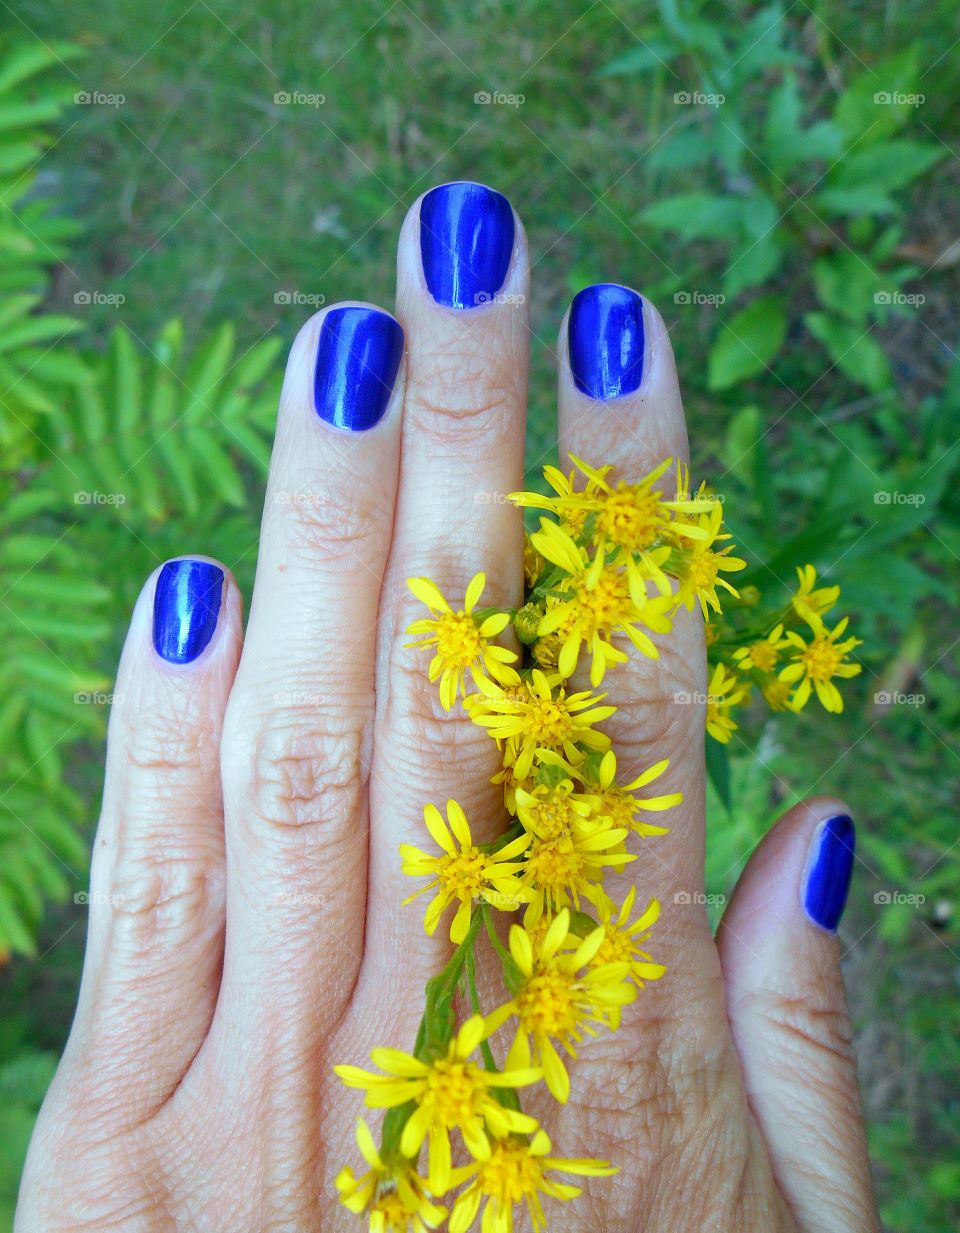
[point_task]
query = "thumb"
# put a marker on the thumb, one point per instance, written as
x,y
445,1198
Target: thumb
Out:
x,y
788,1014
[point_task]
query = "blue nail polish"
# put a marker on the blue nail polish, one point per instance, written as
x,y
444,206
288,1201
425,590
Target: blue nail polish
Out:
x,y
466,243
358,355
605,337
828,876
186,606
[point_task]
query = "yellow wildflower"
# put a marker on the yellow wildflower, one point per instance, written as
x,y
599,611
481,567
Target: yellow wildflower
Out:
x,y
776,693
553,809
510,781
462,639
700,567
815,663
562,997
810,601
463,871
622,938
515,1173
621,805
725,691
564,502
562,865
394,1196
630,519
450,1093
547,718
533,563
596,601
764,653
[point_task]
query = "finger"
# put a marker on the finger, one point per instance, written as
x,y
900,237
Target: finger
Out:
x,y
154,947
296,748
462,295
620,404
788,1014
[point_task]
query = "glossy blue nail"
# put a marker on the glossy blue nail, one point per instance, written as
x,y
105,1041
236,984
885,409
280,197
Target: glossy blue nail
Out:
x,y
605,341
829,872
466,243
358,355
186,606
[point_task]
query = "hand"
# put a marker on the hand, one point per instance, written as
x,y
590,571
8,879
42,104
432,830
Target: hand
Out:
x,y
246,931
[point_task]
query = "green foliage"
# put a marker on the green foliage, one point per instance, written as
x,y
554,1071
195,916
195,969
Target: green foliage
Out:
x,y
24,1078
32,236
133,445
141,447
806,190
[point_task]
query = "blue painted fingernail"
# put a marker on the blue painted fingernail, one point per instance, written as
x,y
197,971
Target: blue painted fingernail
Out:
x,y
186,606
606,340
466,243
358,355
829,872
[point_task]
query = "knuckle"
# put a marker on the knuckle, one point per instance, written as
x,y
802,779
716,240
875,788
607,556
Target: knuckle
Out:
x,y
424,735
168,741
461,404
157,898
299,766
667,1095
325,523
813,1027
660,706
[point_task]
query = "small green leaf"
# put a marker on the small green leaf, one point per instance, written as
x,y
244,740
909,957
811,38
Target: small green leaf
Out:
x,y
747,343
718,770
852,350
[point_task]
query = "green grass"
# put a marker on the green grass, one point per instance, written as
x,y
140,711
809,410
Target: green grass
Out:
x,y
201,198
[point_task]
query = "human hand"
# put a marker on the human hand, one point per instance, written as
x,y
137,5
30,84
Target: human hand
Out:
x,y
245,927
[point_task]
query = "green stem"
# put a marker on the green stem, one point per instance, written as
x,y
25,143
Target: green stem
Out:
x,y
498,946
471,970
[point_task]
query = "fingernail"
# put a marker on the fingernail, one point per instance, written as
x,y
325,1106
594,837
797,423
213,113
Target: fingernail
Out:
x,y
829,871
605,337
186,606
466,243
358,355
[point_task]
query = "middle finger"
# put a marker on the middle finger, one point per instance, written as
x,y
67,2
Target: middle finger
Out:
x,y
462,300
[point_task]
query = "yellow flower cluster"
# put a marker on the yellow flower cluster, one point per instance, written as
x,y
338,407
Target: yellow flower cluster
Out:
x,y
610,565
790,655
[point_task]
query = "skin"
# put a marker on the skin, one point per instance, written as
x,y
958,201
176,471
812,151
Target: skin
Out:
x,y
245,927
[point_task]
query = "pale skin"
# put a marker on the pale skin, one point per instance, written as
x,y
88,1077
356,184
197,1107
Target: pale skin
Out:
x,y
245,924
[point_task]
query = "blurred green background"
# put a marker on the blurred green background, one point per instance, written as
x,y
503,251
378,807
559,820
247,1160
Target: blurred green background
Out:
x,y
181,184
